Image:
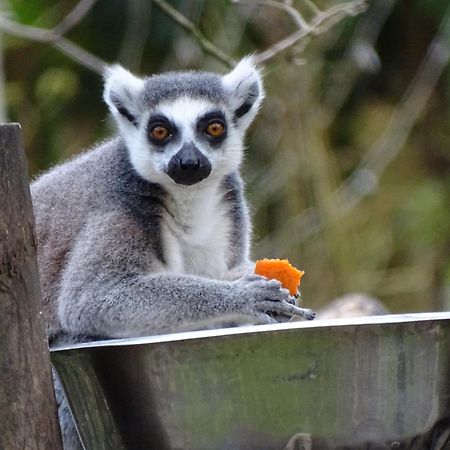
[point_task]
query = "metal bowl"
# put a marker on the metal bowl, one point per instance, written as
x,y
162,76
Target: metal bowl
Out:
x,y
368,383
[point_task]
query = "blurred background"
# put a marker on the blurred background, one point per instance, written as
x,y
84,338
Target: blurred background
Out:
x,y
348,163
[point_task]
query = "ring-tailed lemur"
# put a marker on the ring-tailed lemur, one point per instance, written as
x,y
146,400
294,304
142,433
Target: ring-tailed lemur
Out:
x,y
150,230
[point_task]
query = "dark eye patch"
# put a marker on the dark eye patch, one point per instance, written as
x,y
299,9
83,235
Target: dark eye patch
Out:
x,y
159,120
207,119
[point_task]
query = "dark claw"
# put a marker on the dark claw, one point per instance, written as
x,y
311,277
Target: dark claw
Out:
x,y
309,314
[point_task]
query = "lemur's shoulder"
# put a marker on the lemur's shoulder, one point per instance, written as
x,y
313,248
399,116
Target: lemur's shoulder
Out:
x,y
81,167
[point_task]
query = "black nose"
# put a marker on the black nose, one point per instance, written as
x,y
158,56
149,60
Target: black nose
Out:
x,y
189,165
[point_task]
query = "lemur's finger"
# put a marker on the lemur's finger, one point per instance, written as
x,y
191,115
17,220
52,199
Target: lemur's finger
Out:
x,y
309,314
276,296
273,306
306,313
283,307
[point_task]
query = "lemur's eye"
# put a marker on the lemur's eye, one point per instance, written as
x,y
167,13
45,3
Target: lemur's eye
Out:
x,y
215,129
159,133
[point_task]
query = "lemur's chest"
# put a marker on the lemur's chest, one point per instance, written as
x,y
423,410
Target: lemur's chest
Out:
x,y
196,239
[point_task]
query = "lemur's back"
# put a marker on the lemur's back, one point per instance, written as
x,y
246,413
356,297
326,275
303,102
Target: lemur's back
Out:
x,y
62,194
63,200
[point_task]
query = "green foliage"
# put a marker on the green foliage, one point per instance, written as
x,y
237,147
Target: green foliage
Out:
x,y
425,216
55,87
28,11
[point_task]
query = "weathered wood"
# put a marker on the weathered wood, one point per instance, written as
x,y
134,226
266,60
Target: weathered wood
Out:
x,y
28,417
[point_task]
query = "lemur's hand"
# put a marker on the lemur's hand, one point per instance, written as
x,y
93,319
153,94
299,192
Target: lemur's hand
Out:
x,y
267,297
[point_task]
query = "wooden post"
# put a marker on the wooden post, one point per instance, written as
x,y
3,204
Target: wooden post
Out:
x,y
28,417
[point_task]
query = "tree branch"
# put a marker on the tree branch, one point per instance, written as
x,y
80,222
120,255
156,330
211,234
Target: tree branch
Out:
x,y
54,36
360,56
290,10
74,17
365,178
187,25
80,55
312,6
402,121
317,26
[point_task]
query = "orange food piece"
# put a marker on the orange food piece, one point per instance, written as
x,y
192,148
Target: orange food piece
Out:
x,y
281,270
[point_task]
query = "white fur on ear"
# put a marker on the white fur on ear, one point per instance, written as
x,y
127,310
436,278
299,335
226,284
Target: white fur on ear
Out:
x,y
121,93
245,87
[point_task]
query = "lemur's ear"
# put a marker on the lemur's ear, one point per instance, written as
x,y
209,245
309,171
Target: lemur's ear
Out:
x,y
244,85
122,93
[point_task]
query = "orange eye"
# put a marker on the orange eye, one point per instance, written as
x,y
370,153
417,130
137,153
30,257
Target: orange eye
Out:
x,y
159,133
215,129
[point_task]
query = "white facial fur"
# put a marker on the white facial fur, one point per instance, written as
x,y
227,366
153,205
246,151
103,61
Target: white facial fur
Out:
x,y
239,82
151,162
124,91
122,87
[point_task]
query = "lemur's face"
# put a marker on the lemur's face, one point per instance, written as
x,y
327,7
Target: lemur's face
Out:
x,y
185,128
186,141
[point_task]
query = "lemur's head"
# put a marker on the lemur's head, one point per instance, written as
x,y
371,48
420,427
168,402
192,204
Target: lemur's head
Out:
x,y
183,127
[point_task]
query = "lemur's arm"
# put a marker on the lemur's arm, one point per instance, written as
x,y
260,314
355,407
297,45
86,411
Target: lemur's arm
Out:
x,y
107,290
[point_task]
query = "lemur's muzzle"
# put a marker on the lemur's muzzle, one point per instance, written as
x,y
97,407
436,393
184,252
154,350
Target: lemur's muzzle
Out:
x,y
189,165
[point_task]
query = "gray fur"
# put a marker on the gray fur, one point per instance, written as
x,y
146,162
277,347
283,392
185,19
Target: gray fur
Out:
x,y
101,255
114,252
171,85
